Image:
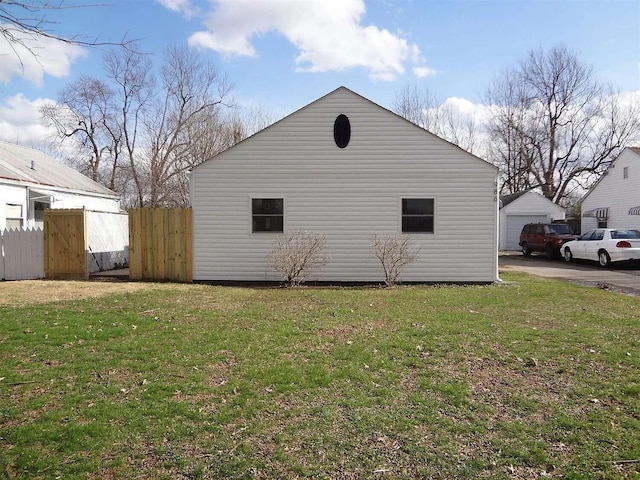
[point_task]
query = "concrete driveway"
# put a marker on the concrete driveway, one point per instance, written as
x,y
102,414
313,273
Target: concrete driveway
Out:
x,y
624,278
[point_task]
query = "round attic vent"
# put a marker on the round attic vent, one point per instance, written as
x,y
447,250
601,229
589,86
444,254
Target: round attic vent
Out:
x,y
342,131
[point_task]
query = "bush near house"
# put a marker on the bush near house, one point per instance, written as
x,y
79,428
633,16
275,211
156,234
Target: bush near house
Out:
x,y
530,379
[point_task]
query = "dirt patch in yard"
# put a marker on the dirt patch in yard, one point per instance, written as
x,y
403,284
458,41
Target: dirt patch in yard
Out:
x,y
30,292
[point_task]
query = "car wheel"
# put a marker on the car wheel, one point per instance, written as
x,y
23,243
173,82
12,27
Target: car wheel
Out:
x,y
548,251
568,256
526,251
603,258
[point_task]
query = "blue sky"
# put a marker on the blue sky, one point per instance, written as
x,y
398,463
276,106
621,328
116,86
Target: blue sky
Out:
x,y
283,54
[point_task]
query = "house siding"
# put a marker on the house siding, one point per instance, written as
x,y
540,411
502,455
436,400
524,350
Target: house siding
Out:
x,y
617,193
347,194
16,194
28,175
12,195
89,202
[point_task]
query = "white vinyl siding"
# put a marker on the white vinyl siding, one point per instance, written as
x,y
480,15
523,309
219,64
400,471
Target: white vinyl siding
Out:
x,y
48,197
616,193
347,194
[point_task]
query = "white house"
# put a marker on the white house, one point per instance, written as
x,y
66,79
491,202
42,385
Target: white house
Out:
x,y
347,168
518,209
31,181
614,200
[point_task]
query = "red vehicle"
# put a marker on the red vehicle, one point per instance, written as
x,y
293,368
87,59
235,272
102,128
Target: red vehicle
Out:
x,y
545,237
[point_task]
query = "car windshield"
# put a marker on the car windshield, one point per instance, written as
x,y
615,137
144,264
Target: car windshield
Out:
x,y
559,229
625,234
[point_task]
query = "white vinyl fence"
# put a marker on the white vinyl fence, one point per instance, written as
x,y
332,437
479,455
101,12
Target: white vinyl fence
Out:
x,y
21,254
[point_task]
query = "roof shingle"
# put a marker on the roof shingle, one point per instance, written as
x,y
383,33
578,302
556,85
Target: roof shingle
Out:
x,y
16,164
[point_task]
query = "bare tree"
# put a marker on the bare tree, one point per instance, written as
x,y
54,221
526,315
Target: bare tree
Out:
x,y
297,254
140,135
252,119
82,112
22,21
418,107
437,116
554,126
507,148
180,128
98,120
129,73
394,253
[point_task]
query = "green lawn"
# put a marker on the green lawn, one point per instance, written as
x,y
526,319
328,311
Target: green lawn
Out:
x,y
527,379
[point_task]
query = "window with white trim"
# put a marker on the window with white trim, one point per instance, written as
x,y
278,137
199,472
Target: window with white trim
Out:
x,y
418,215
267,215
13,216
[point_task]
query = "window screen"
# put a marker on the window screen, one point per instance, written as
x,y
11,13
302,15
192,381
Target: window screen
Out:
x,y
14,216
267,214
417,215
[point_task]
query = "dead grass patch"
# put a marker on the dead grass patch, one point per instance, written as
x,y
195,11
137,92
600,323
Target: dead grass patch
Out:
x,y
29,292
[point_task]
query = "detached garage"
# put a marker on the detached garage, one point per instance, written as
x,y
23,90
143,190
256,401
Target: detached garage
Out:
x,y
348,169
518,209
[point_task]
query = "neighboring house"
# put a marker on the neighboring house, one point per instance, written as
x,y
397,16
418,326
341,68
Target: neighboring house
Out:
x,y
518,209
614,200
31,181
347,168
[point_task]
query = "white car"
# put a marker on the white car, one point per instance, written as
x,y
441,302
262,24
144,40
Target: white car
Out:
x,y
604,245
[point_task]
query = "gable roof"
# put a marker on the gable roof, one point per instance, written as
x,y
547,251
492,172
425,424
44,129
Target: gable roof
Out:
x,y
345,89
16,164
507,199
635,150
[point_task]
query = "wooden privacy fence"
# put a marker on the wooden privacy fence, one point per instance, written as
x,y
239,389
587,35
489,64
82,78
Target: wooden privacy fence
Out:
x,y
21,254
78,242
160,244
65,244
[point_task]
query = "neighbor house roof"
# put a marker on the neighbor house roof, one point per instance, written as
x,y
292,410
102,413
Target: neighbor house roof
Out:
x,y
507,199
29,166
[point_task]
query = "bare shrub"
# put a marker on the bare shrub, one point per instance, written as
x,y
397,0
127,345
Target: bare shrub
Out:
x,y
394,253
296,254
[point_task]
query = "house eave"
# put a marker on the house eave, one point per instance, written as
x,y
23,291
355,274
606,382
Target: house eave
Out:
x,y
53,188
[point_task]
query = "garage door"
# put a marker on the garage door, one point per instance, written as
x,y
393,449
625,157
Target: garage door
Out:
x,y
514,225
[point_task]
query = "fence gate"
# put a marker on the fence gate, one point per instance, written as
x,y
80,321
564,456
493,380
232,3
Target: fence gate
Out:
x,y
65,244
160,244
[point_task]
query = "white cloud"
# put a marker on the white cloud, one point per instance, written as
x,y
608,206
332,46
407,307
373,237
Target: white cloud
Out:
x,y
422,72
328,34
477,111
20,120
36,57
181,6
